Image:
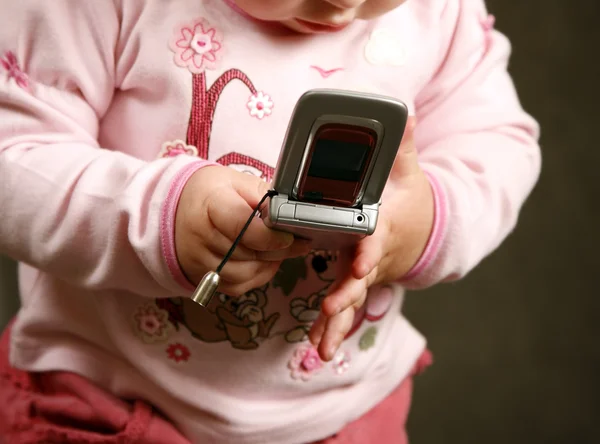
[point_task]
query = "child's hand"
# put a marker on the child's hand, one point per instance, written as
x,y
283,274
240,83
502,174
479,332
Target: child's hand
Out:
x,y
403,229
214,206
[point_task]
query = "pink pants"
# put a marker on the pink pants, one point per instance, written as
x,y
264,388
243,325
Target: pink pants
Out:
x,y
60,407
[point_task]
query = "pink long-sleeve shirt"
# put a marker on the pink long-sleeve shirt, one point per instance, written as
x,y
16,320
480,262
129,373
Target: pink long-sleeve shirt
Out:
x,y
107,108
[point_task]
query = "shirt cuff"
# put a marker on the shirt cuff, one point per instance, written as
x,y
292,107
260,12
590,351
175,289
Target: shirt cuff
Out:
x,y
418,276
167,223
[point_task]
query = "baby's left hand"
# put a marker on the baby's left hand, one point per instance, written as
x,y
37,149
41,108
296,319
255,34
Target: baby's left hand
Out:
x,y
405,222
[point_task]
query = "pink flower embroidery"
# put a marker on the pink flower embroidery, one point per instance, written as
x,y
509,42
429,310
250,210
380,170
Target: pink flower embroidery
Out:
x,y
196,46
151,324
178,353
260,105
305,362
11,65
176,148
341,362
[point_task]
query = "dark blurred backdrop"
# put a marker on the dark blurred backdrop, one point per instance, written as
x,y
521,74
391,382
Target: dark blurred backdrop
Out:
x,y
517,343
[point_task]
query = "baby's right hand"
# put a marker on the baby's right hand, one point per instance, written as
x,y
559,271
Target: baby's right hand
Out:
x,y
214,207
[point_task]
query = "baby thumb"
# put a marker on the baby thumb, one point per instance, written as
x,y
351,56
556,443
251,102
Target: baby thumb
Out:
x,y
251,188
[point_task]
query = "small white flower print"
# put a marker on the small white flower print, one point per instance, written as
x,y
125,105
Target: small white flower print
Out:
x,y
260,105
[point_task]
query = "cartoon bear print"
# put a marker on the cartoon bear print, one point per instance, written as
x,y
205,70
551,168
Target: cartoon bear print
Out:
x,y
306,310
244,319
241,321
323,264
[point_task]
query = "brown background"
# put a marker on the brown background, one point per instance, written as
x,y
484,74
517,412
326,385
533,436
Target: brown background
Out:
x,y
517,343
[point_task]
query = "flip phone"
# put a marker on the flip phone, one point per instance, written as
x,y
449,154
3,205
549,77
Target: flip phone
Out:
x,y
334,164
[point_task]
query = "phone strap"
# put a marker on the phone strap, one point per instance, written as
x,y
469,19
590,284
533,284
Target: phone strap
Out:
x,y
209,284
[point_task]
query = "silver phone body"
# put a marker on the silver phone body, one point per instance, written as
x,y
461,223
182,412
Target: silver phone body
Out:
x,y
329,226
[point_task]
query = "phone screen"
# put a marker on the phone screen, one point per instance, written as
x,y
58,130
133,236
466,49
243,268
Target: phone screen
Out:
x,y
338,160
